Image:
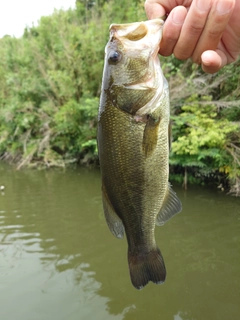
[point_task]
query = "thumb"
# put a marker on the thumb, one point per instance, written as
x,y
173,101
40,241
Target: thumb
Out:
x,y
213,61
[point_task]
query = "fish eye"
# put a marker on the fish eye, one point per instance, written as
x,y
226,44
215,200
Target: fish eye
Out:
x,y
114,57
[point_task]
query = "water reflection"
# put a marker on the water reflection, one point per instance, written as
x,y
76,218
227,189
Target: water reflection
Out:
x,y
46,239
59,261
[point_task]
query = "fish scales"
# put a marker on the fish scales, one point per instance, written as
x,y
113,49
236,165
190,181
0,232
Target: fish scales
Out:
x,y
133,144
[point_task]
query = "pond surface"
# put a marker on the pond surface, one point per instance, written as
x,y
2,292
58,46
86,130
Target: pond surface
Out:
x,y
59,261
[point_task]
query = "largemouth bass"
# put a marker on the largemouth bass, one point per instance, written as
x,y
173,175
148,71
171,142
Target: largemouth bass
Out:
x,y
133,142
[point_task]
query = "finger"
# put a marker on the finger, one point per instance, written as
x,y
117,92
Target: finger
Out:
x,y
213,61
154,10
217,21
192,28
172,29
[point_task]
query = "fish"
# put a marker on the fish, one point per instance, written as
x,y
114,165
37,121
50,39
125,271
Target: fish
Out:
x,y
133,145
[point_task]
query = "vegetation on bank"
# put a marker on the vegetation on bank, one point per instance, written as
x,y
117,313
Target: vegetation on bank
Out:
x,y
50,82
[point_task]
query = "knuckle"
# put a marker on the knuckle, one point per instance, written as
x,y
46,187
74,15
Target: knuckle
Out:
x,y
195,29
215,34
182,55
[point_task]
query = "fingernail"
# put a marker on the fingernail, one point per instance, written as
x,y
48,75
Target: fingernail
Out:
x,y
223,7
177,18
207,58
203,5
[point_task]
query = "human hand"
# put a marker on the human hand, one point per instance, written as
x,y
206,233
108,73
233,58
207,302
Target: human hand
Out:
x,y
208,31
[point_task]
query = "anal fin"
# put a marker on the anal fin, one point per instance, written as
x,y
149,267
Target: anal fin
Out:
x,y
171,206
114,222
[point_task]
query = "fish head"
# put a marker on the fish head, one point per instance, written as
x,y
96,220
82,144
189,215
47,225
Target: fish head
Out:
x,y
132,68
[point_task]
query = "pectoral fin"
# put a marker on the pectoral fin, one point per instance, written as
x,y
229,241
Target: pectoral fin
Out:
x,y
114,222
171,206
150,135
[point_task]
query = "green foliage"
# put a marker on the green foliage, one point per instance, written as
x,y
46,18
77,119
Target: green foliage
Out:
x,y
230,82
75,126
202,139
199,129
232,114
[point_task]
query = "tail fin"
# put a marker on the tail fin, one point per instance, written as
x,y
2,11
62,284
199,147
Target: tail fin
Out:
x,y
146,267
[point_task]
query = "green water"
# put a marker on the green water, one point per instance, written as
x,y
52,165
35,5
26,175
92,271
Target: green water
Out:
x,y
59,261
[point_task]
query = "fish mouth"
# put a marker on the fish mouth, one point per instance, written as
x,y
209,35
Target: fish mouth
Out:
x,y
137,30
138,34
132,32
